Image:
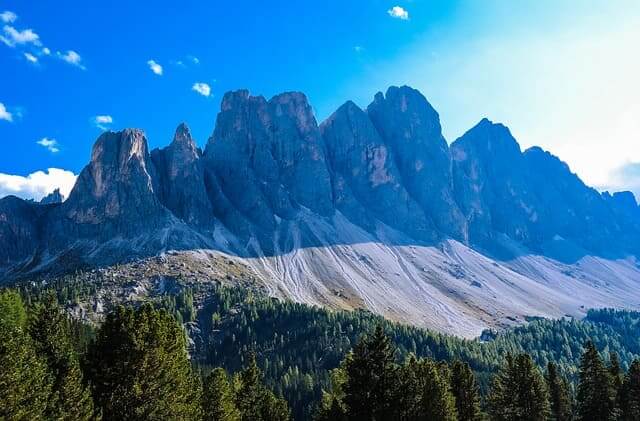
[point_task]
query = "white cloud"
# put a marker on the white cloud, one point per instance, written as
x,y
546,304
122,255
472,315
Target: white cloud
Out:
x,y
202,88
102,121
38,184
194,59
30,57
72,58
4,114
155,67
50,144
358,48
15,37
46,51
8,16
398,13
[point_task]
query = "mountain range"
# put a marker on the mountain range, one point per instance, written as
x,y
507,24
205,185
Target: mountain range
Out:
x,y
371,208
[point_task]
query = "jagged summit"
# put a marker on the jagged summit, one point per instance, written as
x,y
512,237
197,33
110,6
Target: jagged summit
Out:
x,y
372,208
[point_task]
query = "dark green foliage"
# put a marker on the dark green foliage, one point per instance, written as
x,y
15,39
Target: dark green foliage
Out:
x,y
254,401
596,396
630,394
427,393
518,392
370,390
50,330
218,398
559,398
465,392
25,383
139,367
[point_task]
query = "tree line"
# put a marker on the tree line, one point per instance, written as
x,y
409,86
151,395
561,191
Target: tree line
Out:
x,y
300,352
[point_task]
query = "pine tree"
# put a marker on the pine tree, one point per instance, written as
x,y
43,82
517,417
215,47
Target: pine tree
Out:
x,y
595,398
332,407
254,401
218,398
559,399
630,393
371,387
139,367
617,378
518,392
465,391
25,382
49,328
435,399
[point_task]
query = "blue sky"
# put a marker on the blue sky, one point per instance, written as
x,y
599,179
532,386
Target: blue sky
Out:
x,y
560,74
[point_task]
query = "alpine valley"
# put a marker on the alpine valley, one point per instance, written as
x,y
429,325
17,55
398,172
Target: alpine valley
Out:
x,y
370,209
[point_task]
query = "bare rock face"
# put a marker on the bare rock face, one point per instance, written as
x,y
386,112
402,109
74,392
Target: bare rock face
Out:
x,y
181,185
52,198
115,194
491,184
367,183
410,127
19,236
268,158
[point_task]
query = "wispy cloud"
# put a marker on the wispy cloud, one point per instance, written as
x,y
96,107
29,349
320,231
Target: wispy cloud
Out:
x,y
4,114
13,37
626,177
202,88
72,58
102,121
194,59
398,13
50,144
38,184
31,58
155,67
358,48
8,16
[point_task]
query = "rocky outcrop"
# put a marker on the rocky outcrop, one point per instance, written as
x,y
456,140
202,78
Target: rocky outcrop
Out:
x,y
411,128
268,158
19,232
181,185
115,195
492,184
52,198
367,184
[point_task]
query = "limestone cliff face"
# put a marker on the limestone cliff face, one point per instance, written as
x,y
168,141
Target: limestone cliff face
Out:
x,y
115,195
181,185
367,183
411,128
271,180
269,158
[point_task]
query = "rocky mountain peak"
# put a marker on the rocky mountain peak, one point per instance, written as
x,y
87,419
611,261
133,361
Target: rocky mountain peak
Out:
x,y
411,128
52,198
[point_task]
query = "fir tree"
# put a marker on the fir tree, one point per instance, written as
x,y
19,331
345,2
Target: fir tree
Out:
x,y
218,398
25,382
254,401
50,330
139,367
595,392
518,392
617,378
630,394
559,399
465,391
435,399
371,387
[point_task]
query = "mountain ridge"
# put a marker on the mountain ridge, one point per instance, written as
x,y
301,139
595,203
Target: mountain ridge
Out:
x,y
288,195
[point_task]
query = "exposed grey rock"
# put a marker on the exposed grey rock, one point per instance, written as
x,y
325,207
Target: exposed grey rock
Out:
x,y
411,128
367,183
115,194
52,198
19,236
181,185
268,158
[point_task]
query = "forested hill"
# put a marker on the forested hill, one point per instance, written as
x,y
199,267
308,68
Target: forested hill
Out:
x,y
297,345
